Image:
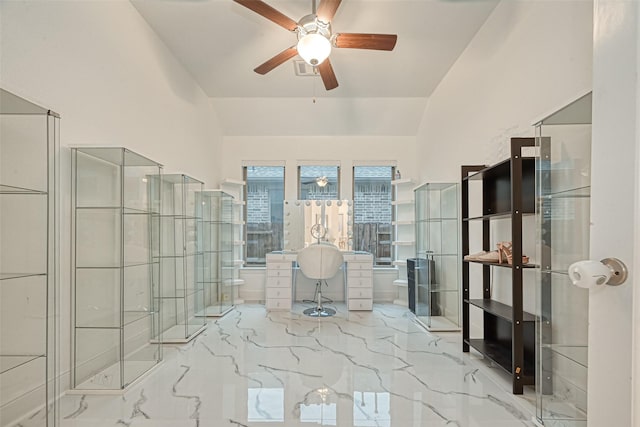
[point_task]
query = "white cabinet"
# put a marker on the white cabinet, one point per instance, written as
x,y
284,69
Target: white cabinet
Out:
x,y
279,281
359,287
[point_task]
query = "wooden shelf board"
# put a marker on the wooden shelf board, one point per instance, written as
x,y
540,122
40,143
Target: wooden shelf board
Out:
x,y
499,309
501,356
496,264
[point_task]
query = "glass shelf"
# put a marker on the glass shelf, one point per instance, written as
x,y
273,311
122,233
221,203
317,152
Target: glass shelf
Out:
x,y
131,265
8,363
10,189
495,216
9,276
577,354
129,317
125,210
572,193
179,217
182,293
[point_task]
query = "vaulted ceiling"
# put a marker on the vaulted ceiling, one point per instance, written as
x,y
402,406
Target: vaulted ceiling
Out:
x,y
381,93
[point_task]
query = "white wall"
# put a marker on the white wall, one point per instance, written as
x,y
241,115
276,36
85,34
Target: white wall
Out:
x,y
530,58
113,82
635,353
108,75
289,150
616,128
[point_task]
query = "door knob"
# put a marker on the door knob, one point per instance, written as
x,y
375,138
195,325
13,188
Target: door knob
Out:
x,y
591,274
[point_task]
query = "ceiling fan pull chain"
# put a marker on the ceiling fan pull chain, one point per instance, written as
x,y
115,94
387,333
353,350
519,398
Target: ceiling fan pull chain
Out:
x,y
314,86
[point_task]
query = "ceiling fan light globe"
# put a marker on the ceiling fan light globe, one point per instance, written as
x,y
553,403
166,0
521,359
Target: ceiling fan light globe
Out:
x,y
314,48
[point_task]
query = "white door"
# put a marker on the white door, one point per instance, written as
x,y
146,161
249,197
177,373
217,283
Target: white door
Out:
x,y
614,312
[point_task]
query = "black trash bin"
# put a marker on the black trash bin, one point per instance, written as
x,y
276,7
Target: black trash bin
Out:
x,y
421,272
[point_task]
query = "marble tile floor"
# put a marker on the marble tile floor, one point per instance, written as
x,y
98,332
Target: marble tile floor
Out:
x,y
258,368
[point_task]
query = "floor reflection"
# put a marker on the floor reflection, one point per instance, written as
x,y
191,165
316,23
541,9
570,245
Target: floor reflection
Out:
x,y
361,369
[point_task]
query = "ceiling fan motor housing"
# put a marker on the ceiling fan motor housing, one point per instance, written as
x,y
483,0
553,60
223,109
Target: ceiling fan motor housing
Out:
x,y
311,47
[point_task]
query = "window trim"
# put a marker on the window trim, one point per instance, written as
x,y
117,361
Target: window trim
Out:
x,y
245,165
393,166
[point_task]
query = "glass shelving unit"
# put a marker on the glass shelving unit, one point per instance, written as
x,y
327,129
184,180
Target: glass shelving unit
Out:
x,y
237,188
29,322
563,182
403,241
215,241
180,260
115,268
437,272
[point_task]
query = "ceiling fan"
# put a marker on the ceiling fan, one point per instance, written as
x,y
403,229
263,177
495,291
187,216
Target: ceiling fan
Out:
x,y
315,38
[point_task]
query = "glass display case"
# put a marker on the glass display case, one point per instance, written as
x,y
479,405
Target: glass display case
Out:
x,y
29,146
563,181
215,241
182,294
237,189
115,270
436,269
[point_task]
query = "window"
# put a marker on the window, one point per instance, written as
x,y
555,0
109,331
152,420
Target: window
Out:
x,y
372,212
265,196
318,182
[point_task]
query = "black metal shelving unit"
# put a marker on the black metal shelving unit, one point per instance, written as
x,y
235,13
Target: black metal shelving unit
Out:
x,y
508,193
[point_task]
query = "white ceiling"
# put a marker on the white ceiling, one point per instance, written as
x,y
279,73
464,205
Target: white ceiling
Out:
x,y
221,42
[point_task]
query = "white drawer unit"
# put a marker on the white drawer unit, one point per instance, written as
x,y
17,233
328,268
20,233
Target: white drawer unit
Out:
x,y
358,287
366,293
278,304
278,281
279,267
278,293
278,273
360,304
359,281
360,273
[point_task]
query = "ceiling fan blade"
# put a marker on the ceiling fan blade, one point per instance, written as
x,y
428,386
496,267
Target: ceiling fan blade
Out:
x,y
366,41
280,58
327,9
327,74
261,8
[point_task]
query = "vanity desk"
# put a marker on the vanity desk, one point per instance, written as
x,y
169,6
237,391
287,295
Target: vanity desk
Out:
x,y
357,280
